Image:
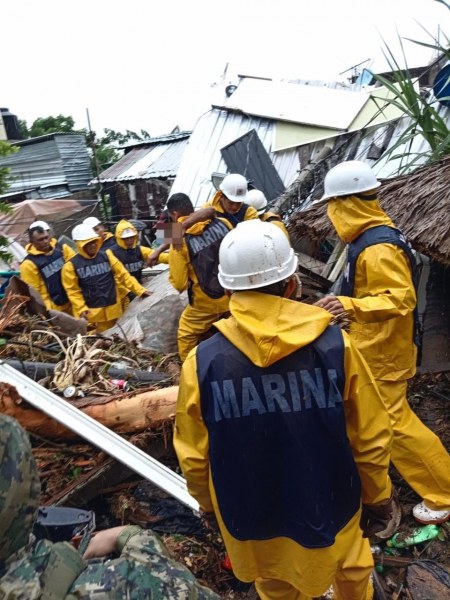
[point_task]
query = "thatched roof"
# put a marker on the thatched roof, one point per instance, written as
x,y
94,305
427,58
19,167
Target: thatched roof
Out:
x,y
418,203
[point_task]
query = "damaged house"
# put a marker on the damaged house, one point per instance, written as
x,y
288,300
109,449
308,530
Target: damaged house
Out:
x,y
138,185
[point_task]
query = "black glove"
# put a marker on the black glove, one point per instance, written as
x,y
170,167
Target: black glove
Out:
x,y
381,519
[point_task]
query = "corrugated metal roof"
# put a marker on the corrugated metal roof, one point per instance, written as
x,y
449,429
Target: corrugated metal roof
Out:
x,y
214,130
149,162
51,160
169,137
299,103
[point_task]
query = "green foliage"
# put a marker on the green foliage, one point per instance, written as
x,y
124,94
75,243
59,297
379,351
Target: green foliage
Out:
x,y
46,125
424,118
5,150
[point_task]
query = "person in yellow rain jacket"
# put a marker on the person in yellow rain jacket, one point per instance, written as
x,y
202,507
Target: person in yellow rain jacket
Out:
x,y
106,236
193,267
41,268
378,295
281,433
258,200
67,251
229,201
92,280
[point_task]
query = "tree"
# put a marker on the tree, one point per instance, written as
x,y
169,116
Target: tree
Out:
x,y
424,118
5,208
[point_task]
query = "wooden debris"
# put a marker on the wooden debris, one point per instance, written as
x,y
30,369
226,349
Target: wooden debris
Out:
x,y
124,413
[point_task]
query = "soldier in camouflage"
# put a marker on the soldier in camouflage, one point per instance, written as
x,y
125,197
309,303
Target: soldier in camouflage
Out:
x,y
31,570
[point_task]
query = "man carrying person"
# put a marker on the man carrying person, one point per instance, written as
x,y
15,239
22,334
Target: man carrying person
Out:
x,y
93,279
281,433
193,267
378,296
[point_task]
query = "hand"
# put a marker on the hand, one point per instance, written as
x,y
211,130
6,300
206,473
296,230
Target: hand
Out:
x,y
146,295
84,315
103,543
153,258
381,519
331,304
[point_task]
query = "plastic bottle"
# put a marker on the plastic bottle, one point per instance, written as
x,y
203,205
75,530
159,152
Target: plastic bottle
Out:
x,y
417,536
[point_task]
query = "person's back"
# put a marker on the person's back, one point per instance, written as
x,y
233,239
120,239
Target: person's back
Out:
x,y
272,429
31,570
379,297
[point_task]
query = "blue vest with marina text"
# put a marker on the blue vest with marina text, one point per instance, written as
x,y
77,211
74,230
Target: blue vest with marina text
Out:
x,y
96,279
280,459
382,234
131,258
204,256
50,266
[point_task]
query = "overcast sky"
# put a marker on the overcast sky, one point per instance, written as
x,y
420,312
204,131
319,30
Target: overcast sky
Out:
x,y
144,64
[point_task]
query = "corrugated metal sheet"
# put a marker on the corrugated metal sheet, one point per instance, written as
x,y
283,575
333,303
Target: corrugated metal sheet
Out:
x,y
214,130
151,162
52,160
248,157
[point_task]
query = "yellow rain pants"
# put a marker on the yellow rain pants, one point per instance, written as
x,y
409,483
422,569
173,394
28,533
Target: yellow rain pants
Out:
x,y
417,452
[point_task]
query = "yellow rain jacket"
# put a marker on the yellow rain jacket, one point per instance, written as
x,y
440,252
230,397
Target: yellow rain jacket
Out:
x,y
384,299
145,251
266,329
250,213
121,226
202,310
67,251
30,273
105,316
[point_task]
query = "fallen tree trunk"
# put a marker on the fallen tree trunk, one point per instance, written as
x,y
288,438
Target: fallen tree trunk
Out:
x,y
128,413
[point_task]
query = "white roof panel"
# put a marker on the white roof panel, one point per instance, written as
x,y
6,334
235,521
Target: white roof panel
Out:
x,y
298,103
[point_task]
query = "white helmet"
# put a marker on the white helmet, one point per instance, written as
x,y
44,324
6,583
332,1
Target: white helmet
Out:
x,y
83,232
92,222
234,187
257,199
347,178
128,232
253,255
42,224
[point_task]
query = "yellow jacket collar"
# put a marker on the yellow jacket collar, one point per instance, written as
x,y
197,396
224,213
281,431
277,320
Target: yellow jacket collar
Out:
x,y
32,250
82,244
267,328
352,216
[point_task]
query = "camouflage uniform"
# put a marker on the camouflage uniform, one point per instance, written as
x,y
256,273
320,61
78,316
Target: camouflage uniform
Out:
x,y
56,571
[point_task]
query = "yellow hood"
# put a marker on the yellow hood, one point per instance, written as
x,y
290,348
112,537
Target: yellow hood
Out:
x,y
216,201
352,216
32,250
267,328
121,226
82,244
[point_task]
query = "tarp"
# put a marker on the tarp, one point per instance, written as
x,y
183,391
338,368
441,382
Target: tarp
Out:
x,y
56,212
